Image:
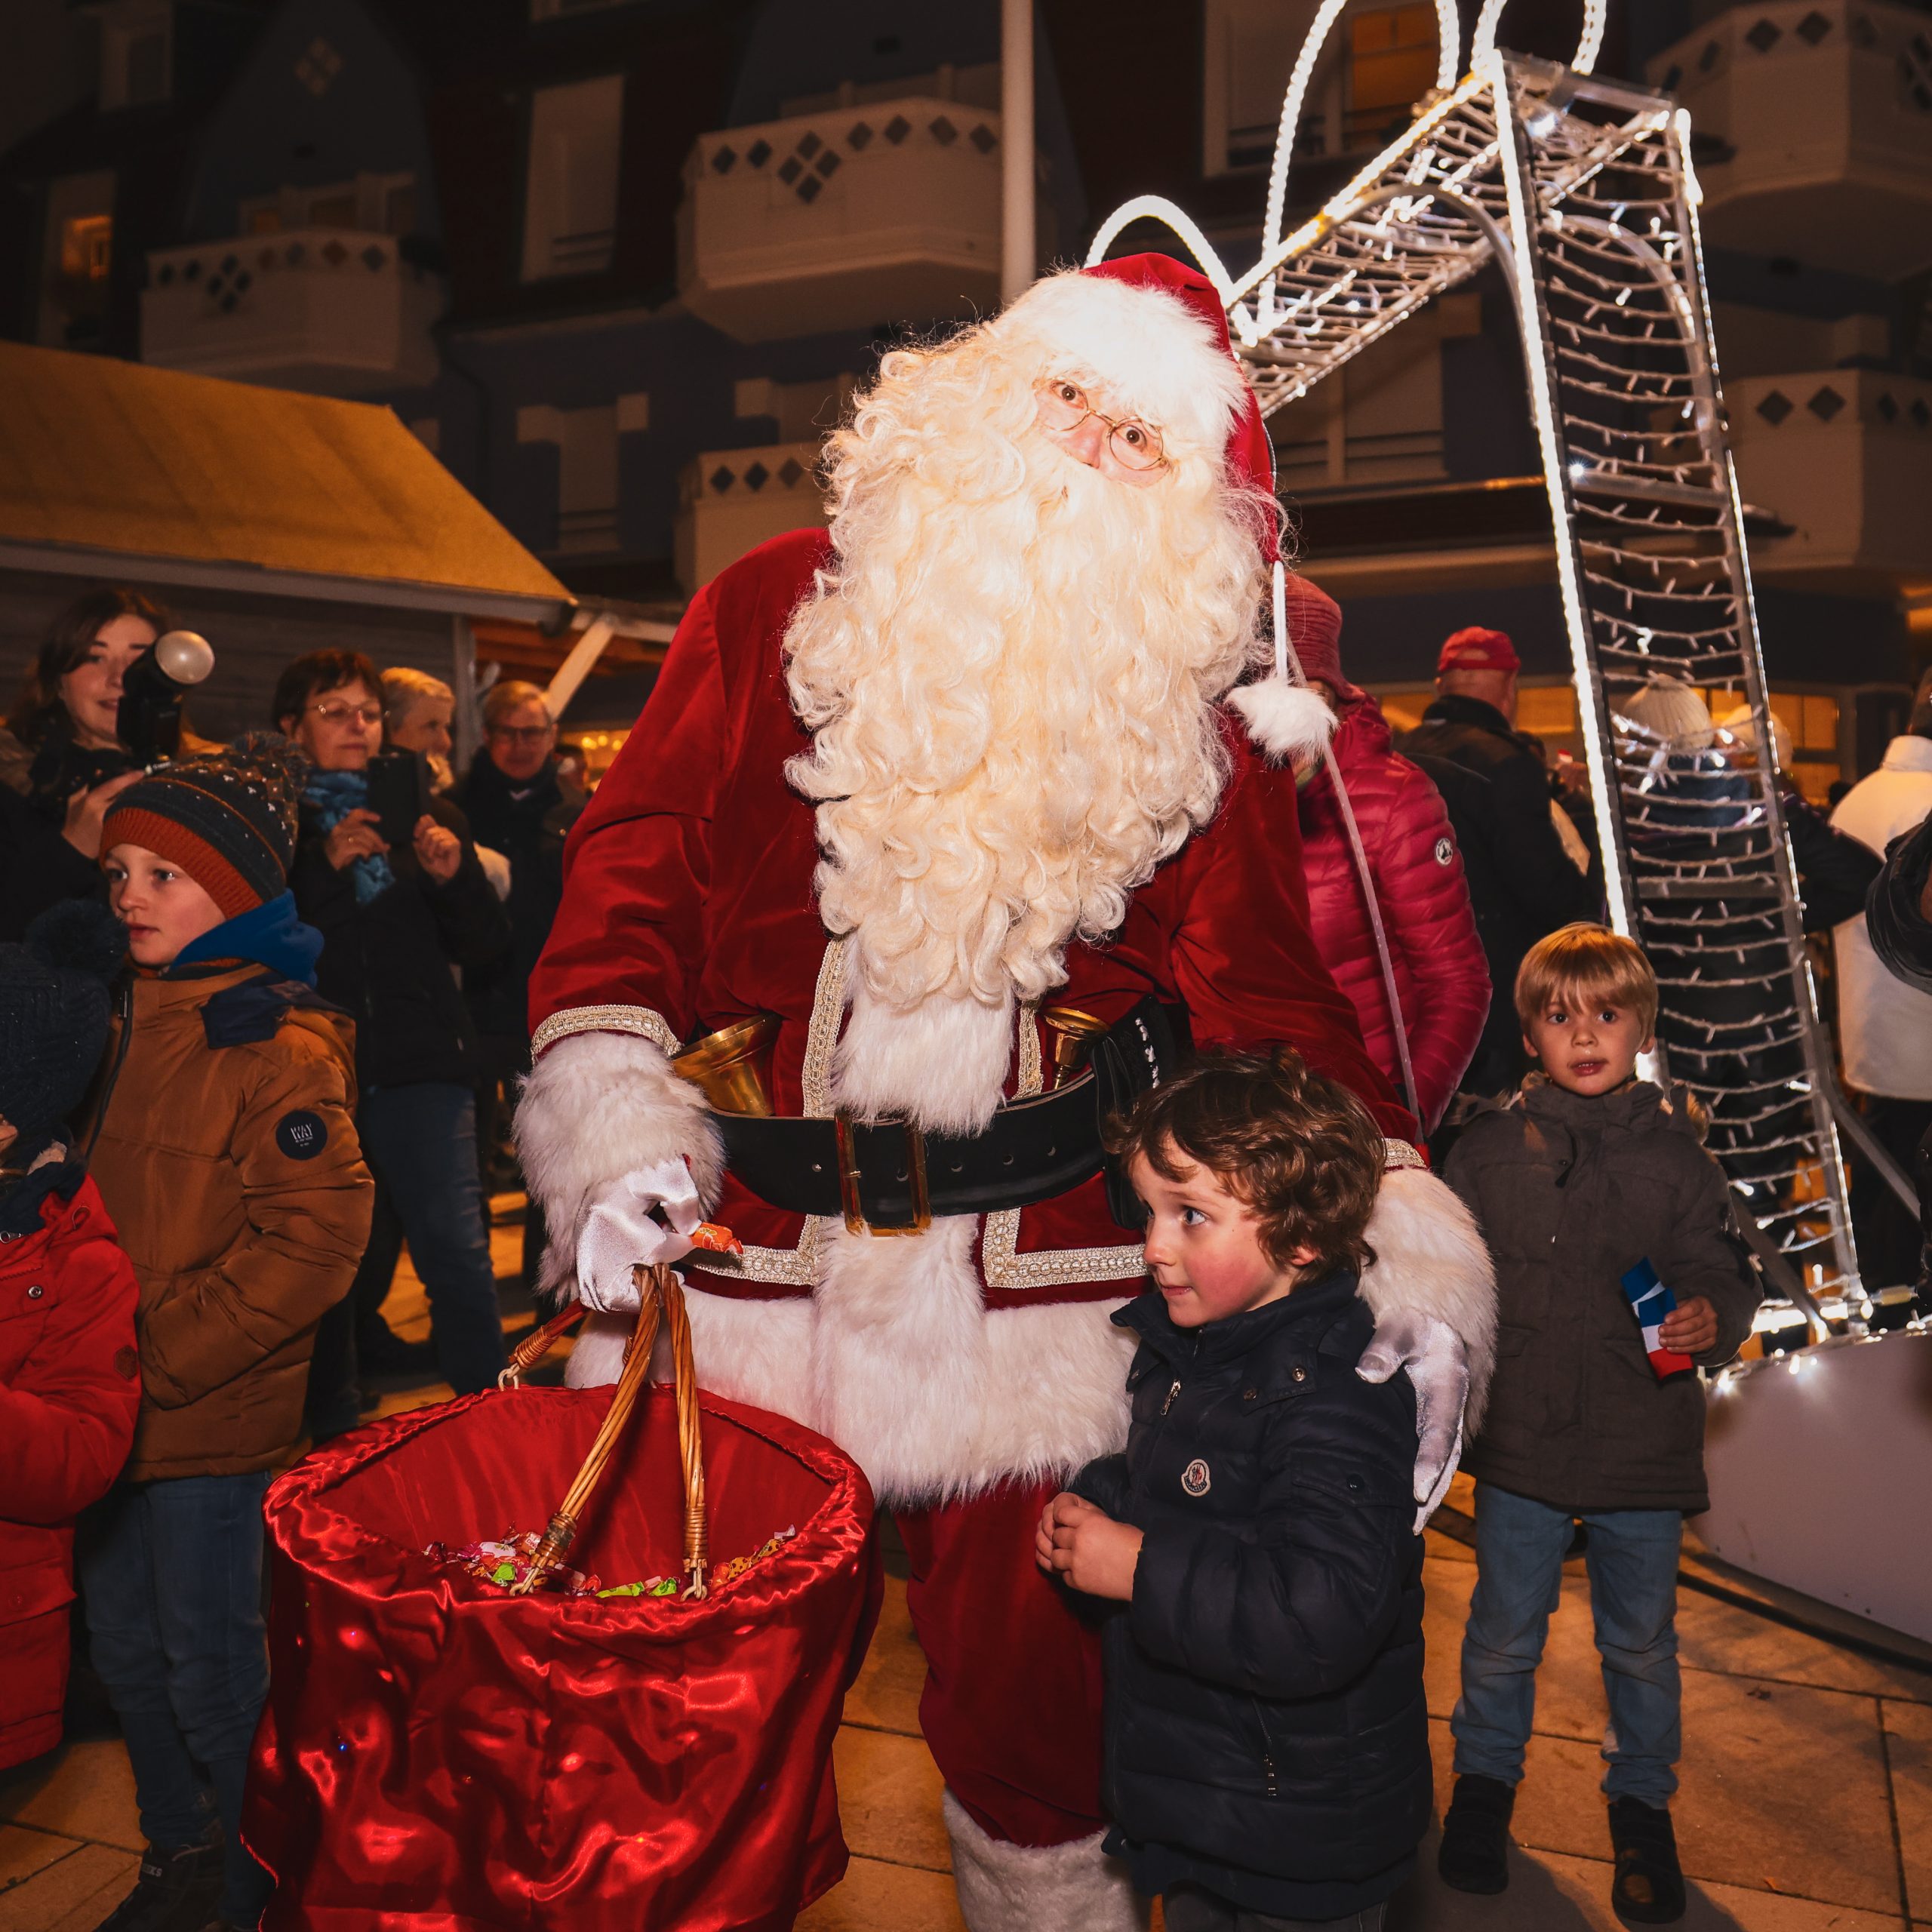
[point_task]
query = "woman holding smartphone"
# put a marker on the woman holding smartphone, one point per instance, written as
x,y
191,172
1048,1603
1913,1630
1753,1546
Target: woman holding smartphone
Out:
x,y
395,915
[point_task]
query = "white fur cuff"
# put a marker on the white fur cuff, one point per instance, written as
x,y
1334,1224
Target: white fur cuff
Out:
x,y
1070,1887
596,1106
1430,1259
1288,722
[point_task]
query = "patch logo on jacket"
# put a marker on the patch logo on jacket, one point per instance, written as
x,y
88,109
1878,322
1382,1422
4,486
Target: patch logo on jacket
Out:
x,y
1444,850
301,1135
1195,1478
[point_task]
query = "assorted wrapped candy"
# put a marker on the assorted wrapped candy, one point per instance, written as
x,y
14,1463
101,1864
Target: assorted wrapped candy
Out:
x,y
733,1568
506,1563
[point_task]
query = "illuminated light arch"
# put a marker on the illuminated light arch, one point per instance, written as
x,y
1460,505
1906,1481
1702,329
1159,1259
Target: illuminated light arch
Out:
x,y
1583,61
1157,207
1648,522
1449,42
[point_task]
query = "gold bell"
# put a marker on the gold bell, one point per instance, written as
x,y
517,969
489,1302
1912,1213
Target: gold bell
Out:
x,y
1074,1033
733,1066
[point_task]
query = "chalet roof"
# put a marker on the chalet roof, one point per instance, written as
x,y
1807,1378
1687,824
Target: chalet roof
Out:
x,y
112,469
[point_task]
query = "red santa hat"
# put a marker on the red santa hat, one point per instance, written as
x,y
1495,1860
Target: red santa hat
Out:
x,y
1151,332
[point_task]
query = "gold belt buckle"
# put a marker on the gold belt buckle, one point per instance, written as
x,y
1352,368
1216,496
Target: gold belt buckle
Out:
x,y
848,1180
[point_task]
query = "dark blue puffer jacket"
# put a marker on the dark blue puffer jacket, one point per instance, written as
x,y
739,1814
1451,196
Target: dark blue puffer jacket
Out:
x,y
1266,1733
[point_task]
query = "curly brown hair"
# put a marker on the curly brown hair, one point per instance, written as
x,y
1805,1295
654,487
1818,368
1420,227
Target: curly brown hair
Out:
x,y
1299,1149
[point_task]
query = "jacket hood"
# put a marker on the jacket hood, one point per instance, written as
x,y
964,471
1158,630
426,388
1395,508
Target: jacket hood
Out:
x,y
270,935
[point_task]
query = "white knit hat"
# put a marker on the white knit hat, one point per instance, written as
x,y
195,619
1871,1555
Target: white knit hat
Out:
x,y
1670,711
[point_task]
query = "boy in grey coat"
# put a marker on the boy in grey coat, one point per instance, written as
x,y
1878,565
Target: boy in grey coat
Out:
x,y
1587,1177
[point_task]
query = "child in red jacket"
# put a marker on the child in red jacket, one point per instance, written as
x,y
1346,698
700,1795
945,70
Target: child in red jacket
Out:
x,y
69,1376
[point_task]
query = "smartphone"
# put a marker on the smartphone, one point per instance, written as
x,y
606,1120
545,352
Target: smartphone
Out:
x,y
399,795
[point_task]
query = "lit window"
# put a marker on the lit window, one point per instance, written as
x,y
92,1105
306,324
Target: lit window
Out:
x,y
86,248
77,260
570,201
1392,55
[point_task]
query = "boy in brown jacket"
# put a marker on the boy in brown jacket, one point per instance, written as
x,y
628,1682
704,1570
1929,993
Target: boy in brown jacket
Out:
x,y
1591,1186
226,1154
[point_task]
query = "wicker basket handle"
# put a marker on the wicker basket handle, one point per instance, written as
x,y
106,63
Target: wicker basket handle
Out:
x,y
661,1294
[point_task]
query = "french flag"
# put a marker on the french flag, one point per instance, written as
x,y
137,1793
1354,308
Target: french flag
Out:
x,y
1650,1301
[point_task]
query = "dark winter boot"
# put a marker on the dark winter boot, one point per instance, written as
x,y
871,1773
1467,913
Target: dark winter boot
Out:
x,y
1474,1855
1648,1888
177,1891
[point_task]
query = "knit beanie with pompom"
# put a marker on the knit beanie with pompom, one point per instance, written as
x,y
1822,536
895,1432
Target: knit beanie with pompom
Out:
x,y
226,818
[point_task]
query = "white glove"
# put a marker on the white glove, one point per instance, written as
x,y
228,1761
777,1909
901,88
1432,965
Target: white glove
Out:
x,y
620,1232
1438,1367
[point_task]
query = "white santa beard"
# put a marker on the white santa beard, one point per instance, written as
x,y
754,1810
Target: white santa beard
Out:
x,y
1012,702
941,1062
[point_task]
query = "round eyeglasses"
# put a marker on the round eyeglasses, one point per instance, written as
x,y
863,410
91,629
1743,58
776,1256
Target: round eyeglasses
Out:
x,y
1064,406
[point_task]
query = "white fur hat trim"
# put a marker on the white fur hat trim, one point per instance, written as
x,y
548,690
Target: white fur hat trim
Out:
x,y
1152,354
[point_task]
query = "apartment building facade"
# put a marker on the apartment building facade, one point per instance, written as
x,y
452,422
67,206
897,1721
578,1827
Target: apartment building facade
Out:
x,y
619,263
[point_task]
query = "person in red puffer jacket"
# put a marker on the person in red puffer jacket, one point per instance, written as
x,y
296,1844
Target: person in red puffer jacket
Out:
x,y
1441,979
69,1376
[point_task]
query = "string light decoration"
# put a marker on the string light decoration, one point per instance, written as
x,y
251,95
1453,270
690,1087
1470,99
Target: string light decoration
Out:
x,y
1582,189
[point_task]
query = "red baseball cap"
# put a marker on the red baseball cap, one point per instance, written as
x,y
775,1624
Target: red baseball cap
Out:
x,y
1476,649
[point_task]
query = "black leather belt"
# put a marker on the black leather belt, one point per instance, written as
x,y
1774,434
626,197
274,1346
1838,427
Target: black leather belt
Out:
x,y
892,1178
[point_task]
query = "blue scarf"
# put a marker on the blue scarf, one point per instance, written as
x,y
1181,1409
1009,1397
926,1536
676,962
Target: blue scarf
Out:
x,y
332,796
270,935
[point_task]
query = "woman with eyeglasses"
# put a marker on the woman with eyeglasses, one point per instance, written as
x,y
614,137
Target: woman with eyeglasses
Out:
x,y
395,920
518,804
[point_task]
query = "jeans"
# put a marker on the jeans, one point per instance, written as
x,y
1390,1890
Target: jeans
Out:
x,y
1187,1908
1632,1559
170,1574
420,1143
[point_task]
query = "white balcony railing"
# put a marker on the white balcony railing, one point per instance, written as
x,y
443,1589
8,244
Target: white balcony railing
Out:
x,y
730,501
1844,456
335,310
1824,110
884,212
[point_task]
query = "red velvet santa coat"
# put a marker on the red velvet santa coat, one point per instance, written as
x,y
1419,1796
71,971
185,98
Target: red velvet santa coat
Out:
x,y
688,904
1441,977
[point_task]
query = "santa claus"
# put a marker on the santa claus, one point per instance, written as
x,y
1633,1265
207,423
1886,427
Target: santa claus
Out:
x,y
971,777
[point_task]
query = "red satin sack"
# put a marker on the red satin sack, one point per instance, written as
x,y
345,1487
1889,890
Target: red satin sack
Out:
x,y
436,1754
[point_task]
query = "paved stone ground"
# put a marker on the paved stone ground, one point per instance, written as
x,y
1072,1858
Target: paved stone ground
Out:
x,y
1806,1805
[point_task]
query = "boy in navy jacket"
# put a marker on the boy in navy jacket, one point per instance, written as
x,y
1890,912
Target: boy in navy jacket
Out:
x,y
1267,1747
